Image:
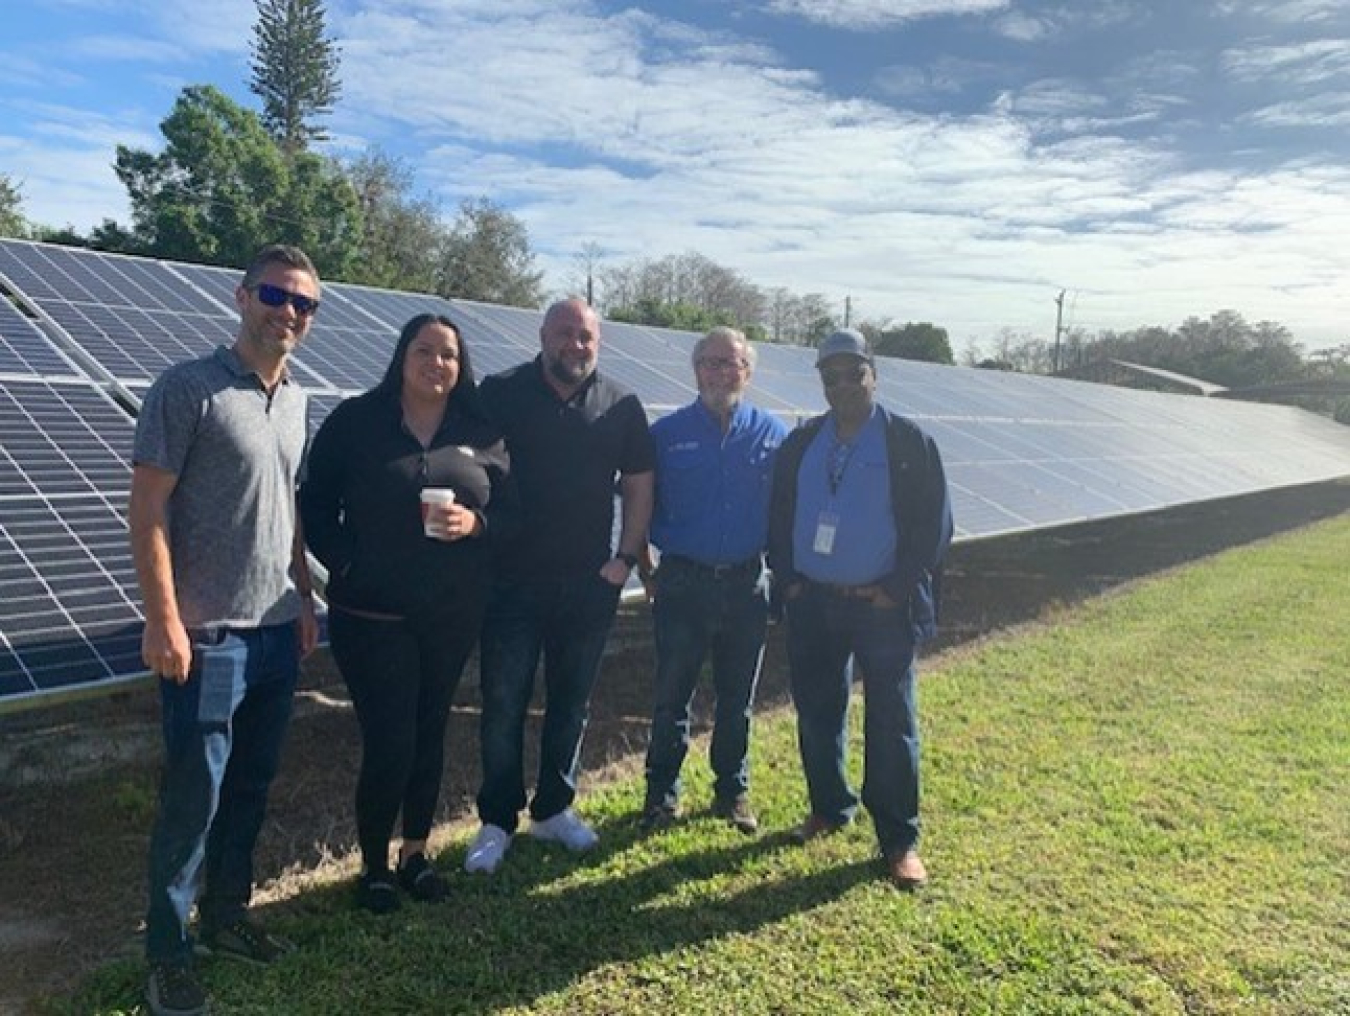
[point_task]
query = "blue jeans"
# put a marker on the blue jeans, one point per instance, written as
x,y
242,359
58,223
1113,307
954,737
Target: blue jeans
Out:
x,y
697,613
826,632
223,731
567,620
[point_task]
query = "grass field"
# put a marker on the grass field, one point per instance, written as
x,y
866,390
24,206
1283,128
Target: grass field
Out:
x,y
1139,806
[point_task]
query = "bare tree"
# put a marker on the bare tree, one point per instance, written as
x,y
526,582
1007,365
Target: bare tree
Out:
x,y
587,263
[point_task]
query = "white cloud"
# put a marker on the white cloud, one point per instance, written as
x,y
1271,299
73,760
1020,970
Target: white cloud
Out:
x,y
657,141
1315,63
93,130
1022,27
64,183
65,163
860,15
126,49
1327,111
162,31
1289,12
206,26
32,73
649,136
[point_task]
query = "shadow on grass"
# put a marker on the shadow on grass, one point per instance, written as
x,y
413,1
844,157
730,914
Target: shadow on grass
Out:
x,y
540,931
545,921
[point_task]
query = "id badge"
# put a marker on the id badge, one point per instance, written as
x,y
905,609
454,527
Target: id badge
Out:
x,y
826,527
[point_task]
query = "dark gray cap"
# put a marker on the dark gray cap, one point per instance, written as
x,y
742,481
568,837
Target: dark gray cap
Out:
x,y
845,342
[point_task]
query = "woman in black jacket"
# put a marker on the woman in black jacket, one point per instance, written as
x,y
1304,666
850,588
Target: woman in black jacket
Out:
x,y
405,606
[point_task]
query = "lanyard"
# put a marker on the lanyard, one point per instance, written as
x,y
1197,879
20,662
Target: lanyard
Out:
x,y
836,463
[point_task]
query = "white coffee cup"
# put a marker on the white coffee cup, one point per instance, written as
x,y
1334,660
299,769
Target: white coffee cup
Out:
x,y
433,523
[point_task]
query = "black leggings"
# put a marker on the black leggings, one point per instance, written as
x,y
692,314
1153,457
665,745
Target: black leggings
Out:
x,y
402,675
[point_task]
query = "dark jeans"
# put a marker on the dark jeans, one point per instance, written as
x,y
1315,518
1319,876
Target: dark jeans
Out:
x,y
825,632
700,612
402,675
223,731
567,621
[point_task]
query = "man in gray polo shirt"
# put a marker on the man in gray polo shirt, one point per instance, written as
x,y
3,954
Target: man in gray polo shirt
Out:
x,y
228,615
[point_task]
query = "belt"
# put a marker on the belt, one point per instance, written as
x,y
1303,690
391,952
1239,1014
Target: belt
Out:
x,y
863,592
715,571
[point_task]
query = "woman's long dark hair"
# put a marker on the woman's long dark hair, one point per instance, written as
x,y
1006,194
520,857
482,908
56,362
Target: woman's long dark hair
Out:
x,y
463,398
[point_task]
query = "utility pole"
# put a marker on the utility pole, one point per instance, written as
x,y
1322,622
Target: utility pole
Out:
x,y
589,256
1059,326
848,309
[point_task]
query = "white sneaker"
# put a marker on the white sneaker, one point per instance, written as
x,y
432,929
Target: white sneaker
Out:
x,y
487,850
565,828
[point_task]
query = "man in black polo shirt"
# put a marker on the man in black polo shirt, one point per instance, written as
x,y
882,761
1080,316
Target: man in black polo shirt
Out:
x,y
570,432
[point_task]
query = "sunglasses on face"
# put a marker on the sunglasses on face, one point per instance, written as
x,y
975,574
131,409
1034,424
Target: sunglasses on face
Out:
x,y
852,374
275,296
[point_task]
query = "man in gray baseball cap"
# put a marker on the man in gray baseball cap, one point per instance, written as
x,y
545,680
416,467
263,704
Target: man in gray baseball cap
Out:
x,y
860,521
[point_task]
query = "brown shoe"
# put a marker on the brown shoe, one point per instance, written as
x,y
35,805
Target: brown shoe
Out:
x,y
907,870
738,812
814,827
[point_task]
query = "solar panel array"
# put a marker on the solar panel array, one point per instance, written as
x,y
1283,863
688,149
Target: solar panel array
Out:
x,y
68,606
82,335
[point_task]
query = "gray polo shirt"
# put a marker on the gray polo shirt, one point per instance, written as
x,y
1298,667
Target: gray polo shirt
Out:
x,y
237,454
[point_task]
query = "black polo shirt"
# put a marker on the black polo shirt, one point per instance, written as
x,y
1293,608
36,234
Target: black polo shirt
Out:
x,y
566,457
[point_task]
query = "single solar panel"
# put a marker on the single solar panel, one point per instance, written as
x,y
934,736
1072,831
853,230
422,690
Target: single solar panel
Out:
x,y
25,350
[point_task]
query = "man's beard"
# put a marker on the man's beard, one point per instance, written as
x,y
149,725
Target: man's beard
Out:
x,y
570,373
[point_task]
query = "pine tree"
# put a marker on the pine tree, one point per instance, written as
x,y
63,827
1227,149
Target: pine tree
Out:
x,y
294,71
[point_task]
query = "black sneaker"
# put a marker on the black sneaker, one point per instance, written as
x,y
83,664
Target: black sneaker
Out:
x,y
420,881
738,812
657,816
174,990
375,891
245,940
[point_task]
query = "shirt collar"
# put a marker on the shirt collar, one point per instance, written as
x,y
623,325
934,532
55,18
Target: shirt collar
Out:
x,y
737,415
230,359
870,422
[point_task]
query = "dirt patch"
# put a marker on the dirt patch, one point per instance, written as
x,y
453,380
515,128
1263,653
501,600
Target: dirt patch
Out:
x,y
77,781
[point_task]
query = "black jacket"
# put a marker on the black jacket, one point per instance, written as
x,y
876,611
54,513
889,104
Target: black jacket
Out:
x,y
361,509
919,501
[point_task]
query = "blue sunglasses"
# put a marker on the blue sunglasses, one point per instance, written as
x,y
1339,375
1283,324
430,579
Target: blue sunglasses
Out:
x,y
275,296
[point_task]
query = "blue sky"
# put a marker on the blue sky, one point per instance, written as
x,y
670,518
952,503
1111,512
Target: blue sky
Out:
x,y
953,161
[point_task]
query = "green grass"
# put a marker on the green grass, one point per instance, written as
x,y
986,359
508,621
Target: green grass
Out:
x,y
1141,807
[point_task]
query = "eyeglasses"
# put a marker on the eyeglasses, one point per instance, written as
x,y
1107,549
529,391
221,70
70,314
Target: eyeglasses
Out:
x,y
722,363
275,296
833,376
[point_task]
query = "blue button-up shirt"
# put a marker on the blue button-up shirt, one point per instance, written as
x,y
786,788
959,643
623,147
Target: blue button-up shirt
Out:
x,y
712,489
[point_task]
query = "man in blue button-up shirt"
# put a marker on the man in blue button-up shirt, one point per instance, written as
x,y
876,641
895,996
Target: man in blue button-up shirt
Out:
x,y
714,468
